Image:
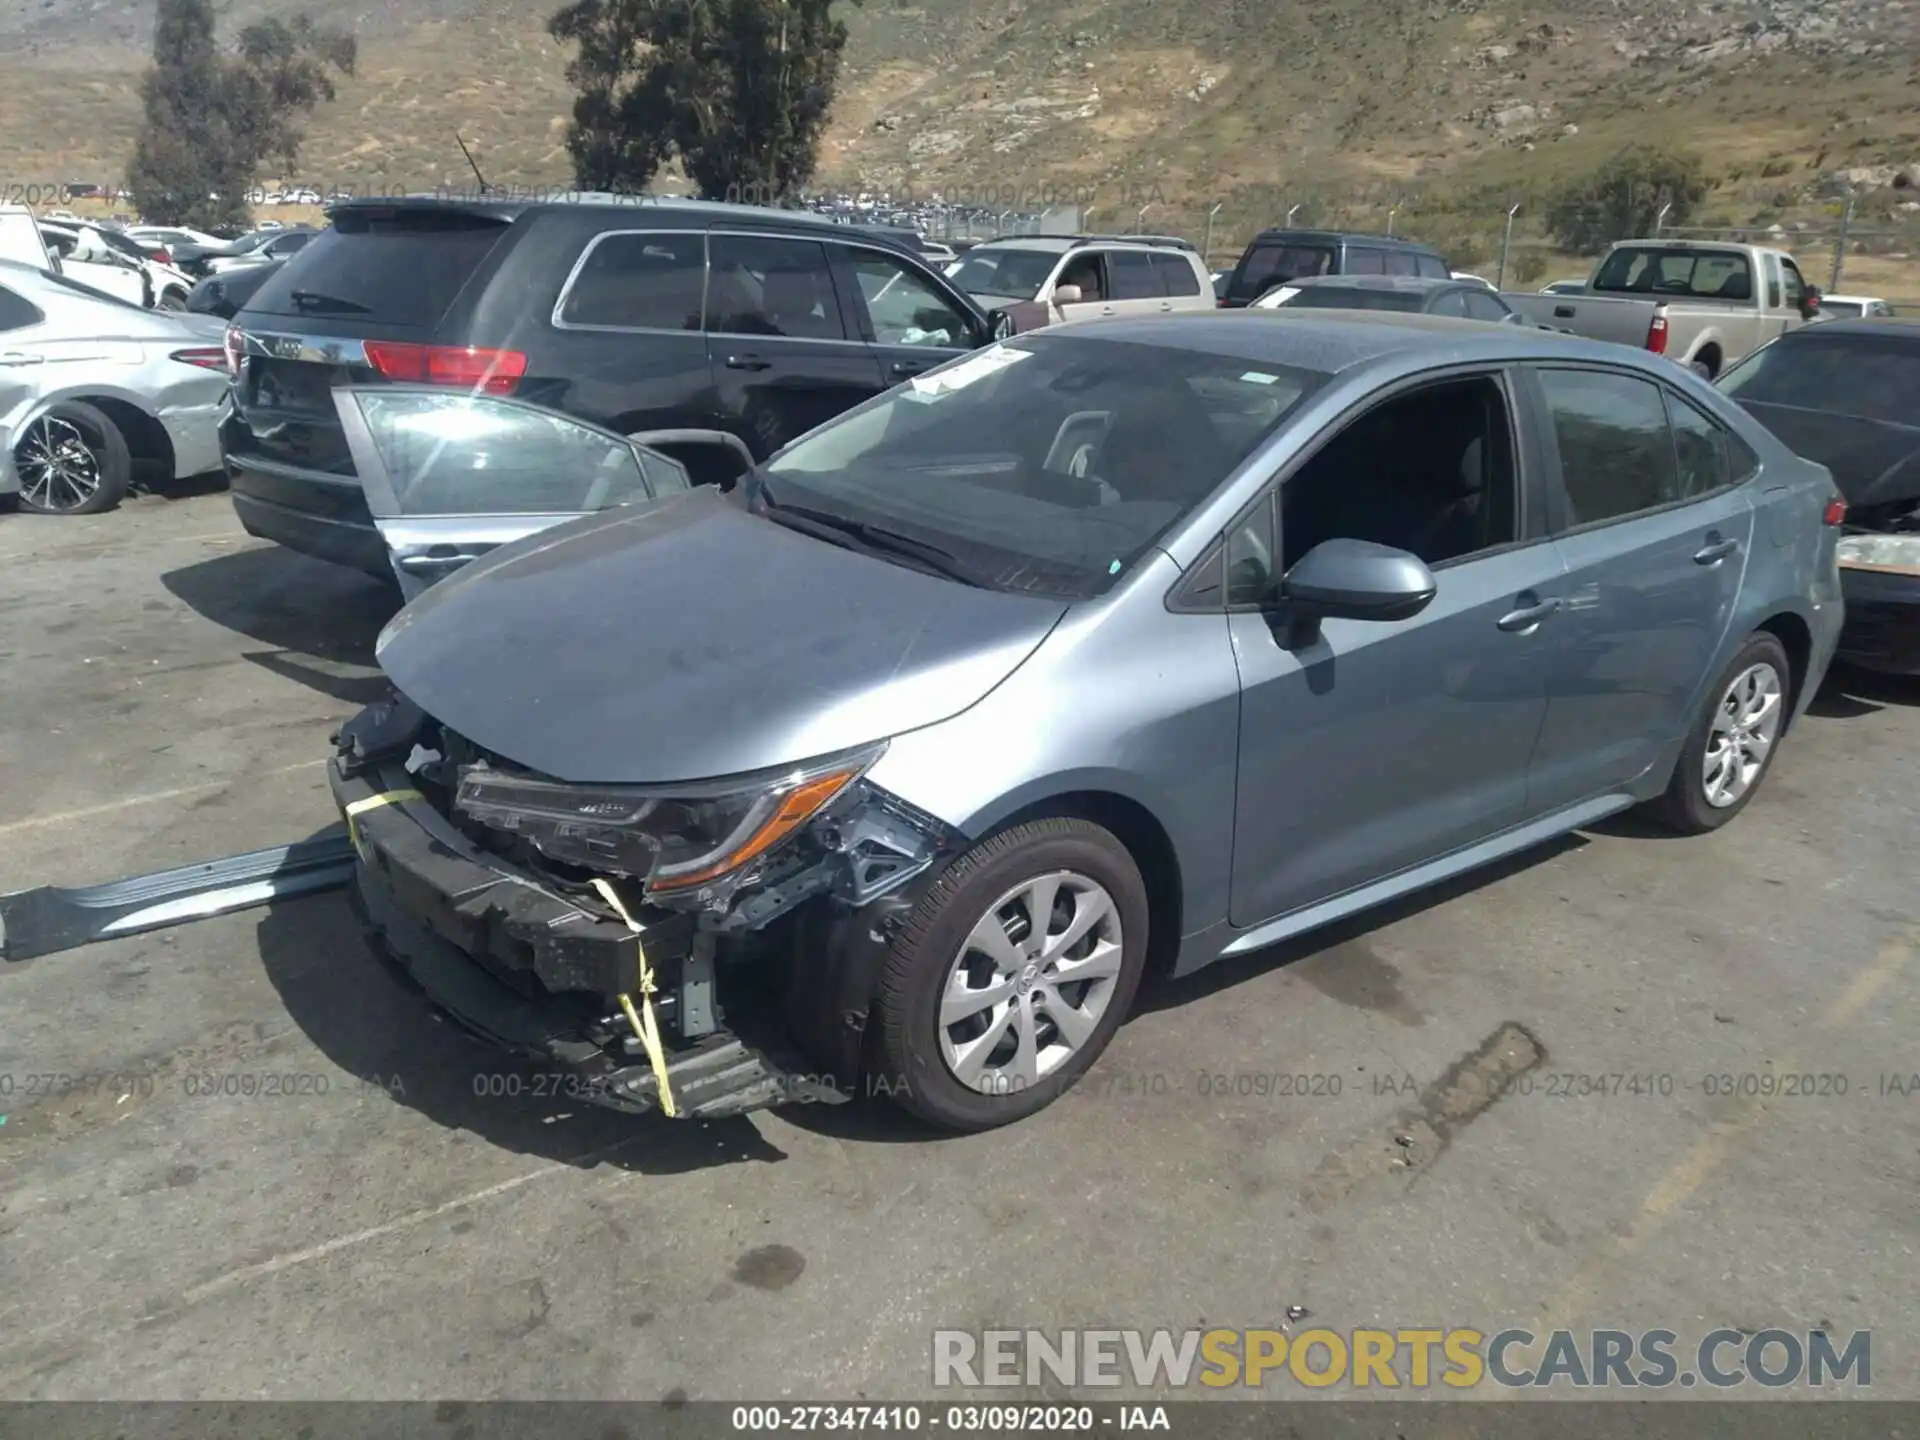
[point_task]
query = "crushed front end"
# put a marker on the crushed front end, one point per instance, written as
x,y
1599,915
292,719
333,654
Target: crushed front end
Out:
x,y
1880,581
761,908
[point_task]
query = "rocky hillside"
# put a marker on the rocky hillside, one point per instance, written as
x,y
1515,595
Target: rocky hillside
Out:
x,y
1168,103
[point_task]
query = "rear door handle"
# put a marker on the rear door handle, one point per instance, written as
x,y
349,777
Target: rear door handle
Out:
x,y
909,367
747,362
1526,620
1106,310
16,357
1716,552
1563,312
434,564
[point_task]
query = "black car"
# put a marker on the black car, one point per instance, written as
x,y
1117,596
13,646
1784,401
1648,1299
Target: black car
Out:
x,y
224,295
1275,257
1846,394
1461,299
711,333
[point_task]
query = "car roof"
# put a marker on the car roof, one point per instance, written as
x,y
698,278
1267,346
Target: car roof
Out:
x,y
511,207
1335,237
1331,341
1856,299
1416,284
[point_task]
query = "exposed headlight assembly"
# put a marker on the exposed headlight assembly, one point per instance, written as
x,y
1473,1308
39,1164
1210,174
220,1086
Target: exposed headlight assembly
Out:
x,y
1881,552
690,845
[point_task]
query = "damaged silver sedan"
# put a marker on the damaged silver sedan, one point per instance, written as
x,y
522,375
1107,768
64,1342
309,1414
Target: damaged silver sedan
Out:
x,y
1150,642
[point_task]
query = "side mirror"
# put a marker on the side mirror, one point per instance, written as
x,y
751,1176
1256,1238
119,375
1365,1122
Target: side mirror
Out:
x,y
1809,303
1066,294
1355,580
999,324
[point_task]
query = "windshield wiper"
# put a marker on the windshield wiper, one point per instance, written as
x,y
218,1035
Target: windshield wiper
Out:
x,y
842,529
313,300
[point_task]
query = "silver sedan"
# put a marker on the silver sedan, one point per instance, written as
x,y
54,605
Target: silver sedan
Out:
x,y
96,393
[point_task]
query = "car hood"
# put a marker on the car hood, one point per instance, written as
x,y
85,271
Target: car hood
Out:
x,y
1874,462
686,639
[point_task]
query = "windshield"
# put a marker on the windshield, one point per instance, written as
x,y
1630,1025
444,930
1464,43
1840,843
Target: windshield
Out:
x,y
1269,263
1353,297
1049,464
1014,274
1874,377
1698,274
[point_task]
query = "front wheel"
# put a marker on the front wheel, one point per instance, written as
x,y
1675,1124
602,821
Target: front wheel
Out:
x,y
1731,745
72,460
1012,975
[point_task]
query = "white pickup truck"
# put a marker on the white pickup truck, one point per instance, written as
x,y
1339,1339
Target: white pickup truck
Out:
x,y
1701,303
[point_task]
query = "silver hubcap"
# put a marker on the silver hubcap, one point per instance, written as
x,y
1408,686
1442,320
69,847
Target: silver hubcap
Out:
x,y
1744,728
1030,983
58,471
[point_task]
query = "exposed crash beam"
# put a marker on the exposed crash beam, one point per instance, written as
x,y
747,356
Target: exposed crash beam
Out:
x,y
53,918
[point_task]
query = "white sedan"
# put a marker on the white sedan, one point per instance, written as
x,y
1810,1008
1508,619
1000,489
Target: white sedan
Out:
x,y
96,392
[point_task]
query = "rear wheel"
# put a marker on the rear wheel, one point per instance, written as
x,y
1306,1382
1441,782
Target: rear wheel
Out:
x,y
1012,975
1731,746
173,299
72,460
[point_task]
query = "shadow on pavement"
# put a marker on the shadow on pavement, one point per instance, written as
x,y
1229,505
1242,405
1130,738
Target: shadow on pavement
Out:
x,y
368,1020
320,620
1329,943
1850,693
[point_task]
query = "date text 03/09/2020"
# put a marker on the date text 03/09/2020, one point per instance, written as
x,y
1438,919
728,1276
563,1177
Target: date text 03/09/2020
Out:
x,y
954,1419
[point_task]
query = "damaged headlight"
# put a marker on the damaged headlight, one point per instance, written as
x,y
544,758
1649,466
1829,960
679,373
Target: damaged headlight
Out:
x,y
1881,552
695,843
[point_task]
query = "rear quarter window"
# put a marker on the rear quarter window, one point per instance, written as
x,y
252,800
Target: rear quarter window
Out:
x,y
401,268
17,312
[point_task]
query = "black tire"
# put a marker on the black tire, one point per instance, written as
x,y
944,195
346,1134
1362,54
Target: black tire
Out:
x,y
907,1058
1685,808
106,447
173,298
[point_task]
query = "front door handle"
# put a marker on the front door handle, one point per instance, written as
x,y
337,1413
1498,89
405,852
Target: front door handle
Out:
x,y
1717,551
1106,310
16,357
747,362
1526,620
909,367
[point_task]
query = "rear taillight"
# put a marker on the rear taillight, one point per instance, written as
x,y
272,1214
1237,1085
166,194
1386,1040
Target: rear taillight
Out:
x,y
163,255
1657,333
207,357
494,372
235,349
1836,512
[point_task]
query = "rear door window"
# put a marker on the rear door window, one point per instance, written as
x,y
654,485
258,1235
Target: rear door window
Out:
x,y
762,285
1485,307
1177,277
1402,262
1131,273
1364,260
1617,455
1268,263
636,281
1433,267
398,267
17,312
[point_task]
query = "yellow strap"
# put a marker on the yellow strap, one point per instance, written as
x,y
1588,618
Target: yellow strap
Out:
x,y
645,1027
374,802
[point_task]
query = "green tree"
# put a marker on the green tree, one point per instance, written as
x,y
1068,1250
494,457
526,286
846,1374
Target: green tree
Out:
x,y
213,118
739,90
1623,198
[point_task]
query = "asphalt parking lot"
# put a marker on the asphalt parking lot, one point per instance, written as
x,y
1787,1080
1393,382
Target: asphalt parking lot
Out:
x,y
167,687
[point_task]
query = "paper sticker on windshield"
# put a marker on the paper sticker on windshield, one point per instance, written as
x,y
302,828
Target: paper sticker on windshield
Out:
x,y
969,371
1258,377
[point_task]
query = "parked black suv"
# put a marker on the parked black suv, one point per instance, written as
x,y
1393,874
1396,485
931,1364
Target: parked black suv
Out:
x,y
1276,256
713,333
